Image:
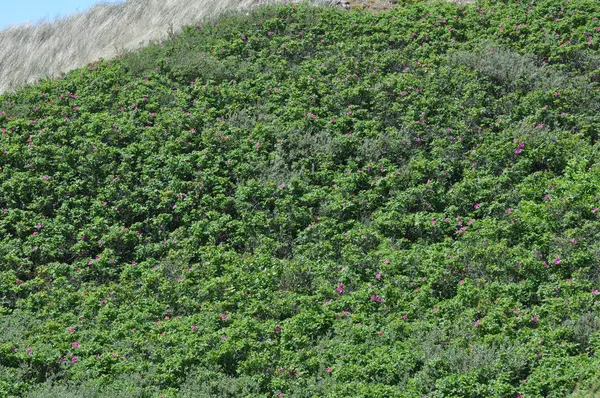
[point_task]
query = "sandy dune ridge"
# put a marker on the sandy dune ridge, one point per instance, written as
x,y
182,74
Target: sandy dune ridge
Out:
x,y
48,48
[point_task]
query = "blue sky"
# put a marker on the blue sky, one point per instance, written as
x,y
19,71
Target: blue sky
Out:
x,y
17,12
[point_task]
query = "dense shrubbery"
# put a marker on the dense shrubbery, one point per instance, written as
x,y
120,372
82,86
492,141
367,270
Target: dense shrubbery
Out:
x,y
311,202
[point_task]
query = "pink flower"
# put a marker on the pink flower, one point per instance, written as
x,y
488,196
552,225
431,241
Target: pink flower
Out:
x,y
194,328
224,317
557,261
534,319
46,178
328,370
75,344
340,288
476,205
71,330
74,359
595,210
476,323
595,292
378,276
373,297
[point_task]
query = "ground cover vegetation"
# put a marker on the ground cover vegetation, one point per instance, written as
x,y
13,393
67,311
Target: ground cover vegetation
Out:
x,y
311,202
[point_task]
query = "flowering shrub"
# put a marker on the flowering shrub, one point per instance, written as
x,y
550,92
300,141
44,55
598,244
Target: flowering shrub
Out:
x,y
311,202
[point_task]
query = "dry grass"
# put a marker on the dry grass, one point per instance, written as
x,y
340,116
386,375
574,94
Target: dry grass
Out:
x,y
31,52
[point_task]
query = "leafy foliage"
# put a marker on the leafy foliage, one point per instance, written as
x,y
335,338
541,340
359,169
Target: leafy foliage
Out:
x,y
311,202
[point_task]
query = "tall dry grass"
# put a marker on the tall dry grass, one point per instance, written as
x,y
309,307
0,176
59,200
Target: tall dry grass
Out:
x,y
46,49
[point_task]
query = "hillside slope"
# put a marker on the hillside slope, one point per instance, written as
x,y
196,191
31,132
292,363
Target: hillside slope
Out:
x,y
49,48
311,202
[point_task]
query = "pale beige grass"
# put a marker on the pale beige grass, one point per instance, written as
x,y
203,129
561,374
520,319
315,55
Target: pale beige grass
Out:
x,y
48,48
